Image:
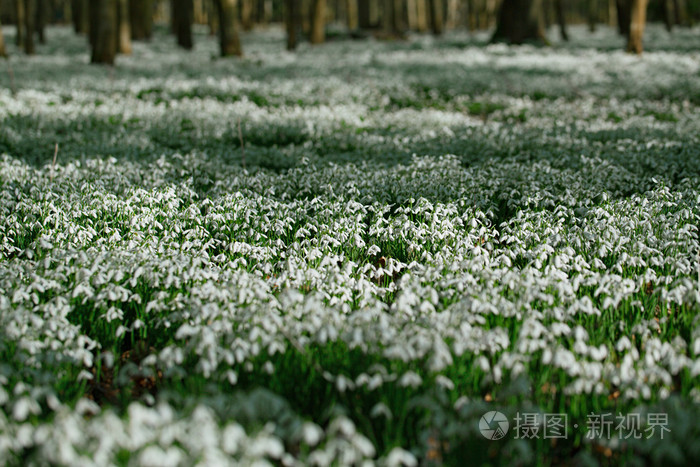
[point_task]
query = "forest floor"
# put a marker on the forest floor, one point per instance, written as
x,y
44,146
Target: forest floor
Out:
x,y
356,252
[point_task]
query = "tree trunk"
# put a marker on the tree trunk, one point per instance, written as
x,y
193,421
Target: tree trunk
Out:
x,y
141,19
318,22
592,15
437,17
124,39
42,7
104,48
520,21
266,11
624,16
471,16
388,16
229,41
421,15
20,21
363,14
669,14
182,11
306,14
548,13
638,20
291,21
452,16
411,11
561,19
681,9
3,52
29,25
212,18
399,17
247,14
612,13
76,11
352,11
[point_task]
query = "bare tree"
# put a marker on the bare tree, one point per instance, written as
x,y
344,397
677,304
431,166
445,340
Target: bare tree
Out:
x,y
41,8
669,14
247,14
182,11
229,42
104,24
452,14
624,16
3,52
352,12
520,21
141,19
29,25
437,16
680,7
124,27
388,17
364,15
318,22
638,20
561,19
20,20
291,19
592,14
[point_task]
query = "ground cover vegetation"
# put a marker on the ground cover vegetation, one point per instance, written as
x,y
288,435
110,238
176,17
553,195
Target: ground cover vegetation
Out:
x,y
349,254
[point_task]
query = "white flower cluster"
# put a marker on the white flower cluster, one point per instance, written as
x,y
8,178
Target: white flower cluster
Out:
x,y
412,217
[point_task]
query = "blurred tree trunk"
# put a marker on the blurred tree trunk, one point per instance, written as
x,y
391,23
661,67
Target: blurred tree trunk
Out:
x,y
79,16
291,21
520,21
306,10
561,19
42,8
29,25
669,14
124,32
212,17
20,19
681,11
388,16
437,17
3,52
229,41
548,13
352,11
103,21
247,14
421,15
318,22
363,14
198,12
592,15
452,15
399,17
612,13
181,12
411,20
141,19
624,16
471,16
638,20
266,11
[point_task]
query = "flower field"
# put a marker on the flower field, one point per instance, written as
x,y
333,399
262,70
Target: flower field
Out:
x,y
349,255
